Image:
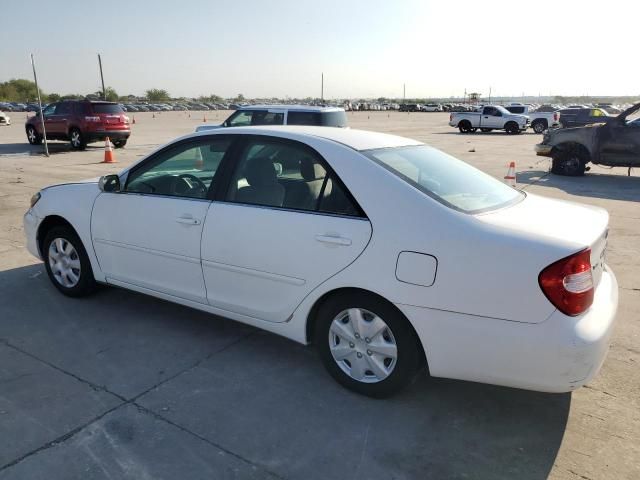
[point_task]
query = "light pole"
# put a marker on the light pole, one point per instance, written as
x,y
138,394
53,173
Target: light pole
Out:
x,y
44,131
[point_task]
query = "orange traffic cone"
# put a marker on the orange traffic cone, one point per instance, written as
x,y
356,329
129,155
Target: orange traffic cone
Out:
x,y
204,118
510,177
199,161
108,152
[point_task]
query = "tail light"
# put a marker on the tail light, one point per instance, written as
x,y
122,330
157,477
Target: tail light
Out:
x,y
92,119
450,116
568,283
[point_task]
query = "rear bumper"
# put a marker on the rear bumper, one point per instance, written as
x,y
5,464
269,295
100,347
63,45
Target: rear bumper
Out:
x,y
543,150
99,136
559,354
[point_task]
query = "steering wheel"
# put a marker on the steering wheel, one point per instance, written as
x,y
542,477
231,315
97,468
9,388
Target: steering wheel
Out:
x,y
190,183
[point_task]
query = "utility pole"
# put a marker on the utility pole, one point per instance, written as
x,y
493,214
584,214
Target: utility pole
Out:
x,y
104,92
404,93
44,131
489,95
322,88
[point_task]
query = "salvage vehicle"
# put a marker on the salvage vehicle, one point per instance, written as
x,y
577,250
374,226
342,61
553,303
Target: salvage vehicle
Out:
x,y
612,144
455,274
282,115
540,120
80,122
488,118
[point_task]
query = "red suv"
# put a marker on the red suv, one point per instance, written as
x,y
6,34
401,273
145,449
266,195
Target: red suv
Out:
x,y
80,122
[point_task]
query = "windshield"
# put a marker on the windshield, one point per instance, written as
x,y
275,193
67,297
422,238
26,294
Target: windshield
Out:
x,y
445,178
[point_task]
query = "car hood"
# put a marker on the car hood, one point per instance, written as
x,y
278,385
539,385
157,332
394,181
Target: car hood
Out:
x,y
208,126
78,182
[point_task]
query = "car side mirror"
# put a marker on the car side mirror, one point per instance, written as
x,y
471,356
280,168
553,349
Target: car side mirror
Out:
x,y
109,183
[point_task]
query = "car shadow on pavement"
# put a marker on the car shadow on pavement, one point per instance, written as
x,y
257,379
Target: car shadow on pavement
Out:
x,y
592,184
267,399
28,149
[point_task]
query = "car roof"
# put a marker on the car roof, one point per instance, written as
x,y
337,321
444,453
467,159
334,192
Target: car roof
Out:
x,y
356,139
299,108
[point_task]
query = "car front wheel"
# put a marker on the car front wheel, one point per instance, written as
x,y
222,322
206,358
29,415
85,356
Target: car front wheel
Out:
x,y
33,136
67,263
366,344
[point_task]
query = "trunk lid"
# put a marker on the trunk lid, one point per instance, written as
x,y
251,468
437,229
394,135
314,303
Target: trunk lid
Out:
x,y
569,226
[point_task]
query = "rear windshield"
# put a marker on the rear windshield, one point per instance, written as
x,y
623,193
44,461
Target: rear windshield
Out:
x,y
106,108
445,178
325,119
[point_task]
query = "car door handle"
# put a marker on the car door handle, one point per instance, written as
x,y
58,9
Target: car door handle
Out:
x,y
334,239
188,220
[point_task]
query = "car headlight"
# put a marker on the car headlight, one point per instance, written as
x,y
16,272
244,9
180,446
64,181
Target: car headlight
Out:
x,y
35,199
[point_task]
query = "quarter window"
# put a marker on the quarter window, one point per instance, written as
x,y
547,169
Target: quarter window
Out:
x,y
185,170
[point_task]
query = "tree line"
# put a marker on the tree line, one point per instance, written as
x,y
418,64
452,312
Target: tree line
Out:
x,y
21,90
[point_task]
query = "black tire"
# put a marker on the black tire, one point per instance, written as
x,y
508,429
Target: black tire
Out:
x,y
76,139
571,163
512,128
119,143
409,355
33,136
486,130
85,284
464,126
539,126
473,130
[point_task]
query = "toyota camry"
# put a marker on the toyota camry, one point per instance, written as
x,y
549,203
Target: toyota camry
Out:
x,y
386,254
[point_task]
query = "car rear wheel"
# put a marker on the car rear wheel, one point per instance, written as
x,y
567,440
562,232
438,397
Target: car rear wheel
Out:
x,y
539,126
119,143
464,126
76,139
33,136
366,344
67,263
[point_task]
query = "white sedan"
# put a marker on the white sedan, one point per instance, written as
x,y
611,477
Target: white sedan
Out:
x,y
385,253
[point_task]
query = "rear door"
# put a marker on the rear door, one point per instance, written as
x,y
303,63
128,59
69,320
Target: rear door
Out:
x,y
284,225
620,144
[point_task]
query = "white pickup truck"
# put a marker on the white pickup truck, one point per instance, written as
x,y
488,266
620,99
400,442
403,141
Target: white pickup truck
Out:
x,y
540,121
490,117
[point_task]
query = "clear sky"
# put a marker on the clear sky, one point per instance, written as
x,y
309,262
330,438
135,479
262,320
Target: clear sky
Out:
x,y
366,48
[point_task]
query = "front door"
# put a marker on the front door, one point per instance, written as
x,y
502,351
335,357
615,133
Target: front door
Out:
x,y
491,118
52,121
149,234
285,225
620,144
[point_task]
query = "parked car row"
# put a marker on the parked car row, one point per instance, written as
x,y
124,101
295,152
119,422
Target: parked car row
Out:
x,y
165,107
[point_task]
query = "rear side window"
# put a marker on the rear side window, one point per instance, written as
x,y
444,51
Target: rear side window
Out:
x,y
63,108
304,118
106,108
515,109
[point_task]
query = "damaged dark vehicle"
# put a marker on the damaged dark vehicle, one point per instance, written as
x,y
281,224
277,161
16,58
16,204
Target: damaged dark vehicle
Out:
x,y
615,143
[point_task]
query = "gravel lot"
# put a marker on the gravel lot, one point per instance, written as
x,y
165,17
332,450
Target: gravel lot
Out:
x,y
120,385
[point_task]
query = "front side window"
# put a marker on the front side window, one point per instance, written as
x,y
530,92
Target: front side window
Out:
x,y
445,178
241,118
50,109
185,170
64,108
288,175
267,118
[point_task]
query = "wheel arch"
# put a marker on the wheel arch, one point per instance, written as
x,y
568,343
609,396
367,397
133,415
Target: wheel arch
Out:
x,y
572,145
313,314
49,222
